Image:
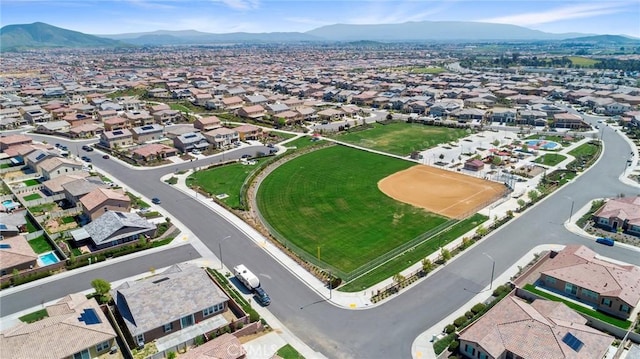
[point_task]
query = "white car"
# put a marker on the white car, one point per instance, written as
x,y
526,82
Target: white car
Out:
x,y
196,152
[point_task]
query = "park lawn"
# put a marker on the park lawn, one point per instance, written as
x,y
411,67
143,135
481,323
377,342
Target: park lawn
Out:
x,y
40,245
224,179
401,138
427,70
583,61
585,150
620,323
554,138
178,107
303,142
31,182
32,196
550,159
328,204
413,255
288,352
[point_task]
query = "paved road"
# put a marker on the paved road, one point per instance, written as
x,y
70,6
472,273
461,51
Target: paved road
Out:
x,y
387,331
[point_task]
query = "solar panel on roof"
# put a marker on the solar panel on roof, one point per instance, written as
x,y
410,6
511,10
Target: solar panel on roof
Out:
x,y
40,156
147,128
5,246
118,132
573,342
160,280
89,317
3,226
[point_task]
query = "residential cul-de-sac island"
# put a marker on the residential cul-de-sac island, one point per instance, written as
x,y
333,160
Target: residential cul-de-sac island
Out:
x,y
305,196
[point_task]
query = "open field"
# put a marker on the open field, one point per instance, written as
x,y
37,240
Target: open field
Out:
x,y
582,61
224,179
401,138
447,193
550,159
328,204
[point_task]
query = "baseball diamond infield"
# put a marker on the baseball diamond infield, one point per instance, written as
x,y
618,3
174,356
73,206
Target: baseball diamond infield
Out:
x,y
447,193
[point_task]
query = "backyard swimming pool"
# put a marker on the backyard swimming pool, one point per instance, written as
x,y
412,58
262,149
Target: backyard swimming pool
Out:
x,y
47,259
543,144
10,204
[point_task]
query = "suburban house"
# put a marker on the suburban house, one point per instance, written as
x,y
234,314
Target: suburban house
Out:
x,y
225,346
249,132
113,228
53,127
232,103
165,307
190,141
620,214
514,329
116,123
54,185
578,274
532,117
56,166
139,118
16,254
569,120
330,114
117,138
153,151
147,133
77,119
100,200
503,115
34,114
84,131
76,189
76,328
222,137
14,140
106,114
207,123
254,112
166,116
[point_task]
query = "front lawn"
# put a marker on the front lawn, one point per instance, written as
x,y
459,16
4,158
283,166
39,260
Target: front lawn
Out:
x,y
288,352
624,324
34,317
136,202
550,159
328,204
40,245
401,138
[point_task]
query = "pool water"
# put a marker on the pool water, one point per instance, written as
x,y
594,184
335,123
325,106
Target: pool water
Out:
x,y
47,259
9,204
545,145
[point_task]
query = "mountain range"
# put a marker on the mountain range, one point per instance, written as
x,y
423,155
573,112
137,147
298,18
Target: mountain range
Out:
x,y
39,35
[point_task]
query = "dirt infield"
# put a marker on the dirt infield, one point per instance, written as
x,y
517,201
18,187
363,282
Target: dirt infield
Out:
x,y
450,194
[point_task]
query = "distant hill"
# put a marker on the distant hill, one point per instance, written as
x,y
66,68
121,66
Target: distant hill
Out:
x,y
190,37
433,31
608,39
39,35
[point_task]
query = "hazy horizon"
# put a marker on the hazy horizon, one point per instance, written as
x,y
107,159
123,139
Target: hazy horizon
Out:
x,y
260,16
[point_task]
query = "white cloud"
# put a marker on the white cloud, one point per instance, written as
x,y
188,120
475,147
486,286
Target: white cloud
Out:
x,y
151,5
240,4
393,12
559,14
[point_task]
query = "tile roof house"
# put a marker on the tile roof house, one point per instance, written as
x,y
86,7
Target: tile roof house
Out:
x,y
252,112
75,328
164,306
16,253
9,141
620,213
100,200
222,137
54,185
117,138
113,228
56,166
225,346
540,330
569,120
75,189
249,132
167,116
153,151
577,273
190,141
146,133
207,123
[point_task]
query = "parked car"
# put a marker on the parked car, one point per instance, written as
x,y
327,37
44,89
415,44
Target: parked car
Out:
x,y
106,157
606,241
86,159
87,148
155,200
262,296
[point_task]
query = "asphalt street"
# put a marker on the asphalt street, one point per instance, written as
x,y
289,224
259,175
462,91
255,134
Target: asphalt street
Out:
x,y
386,331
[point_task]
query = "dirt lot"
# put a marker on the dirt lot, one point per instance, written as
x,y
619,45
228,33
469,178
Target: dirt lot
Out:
x,y
450,194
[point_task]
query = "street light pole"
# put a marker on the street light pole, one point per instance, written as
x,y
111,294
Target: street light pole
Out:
x,y
571,213
220,248
493,269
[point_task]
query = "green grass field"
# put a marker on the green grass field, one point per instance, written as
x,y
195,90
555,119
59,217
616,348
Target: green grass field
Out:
x,y
401,138
40,245
31,182
178,107
32,196
584,150
35,316
550,159
288,352
328,201
302,142
224,179
582,61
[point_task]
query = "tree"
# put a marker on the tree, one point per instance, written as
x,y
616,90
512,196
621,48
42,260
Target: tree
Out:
x,y
102,288
398,278
533,195
521,202
427,265
445,254
481,231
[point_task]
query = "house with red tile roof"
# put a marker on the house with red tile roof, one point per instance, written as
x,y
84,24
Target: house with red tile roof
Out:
x,y
620,213
75,327
100,200
249,132
153,151
543,329
7,142
577,272
16,253
207,123
252,112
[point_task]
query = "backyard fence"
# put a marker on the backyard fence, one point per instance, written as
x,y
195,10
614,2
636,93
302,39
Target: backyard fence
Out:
x,y
39,201
33,235
27,189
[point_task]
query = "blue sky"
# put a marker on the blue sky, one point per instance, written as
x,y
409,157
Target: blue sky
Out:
x,y
222,16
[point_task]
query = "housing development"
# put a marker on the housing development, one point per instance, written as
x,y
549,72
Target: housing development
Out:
x,y
321,200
